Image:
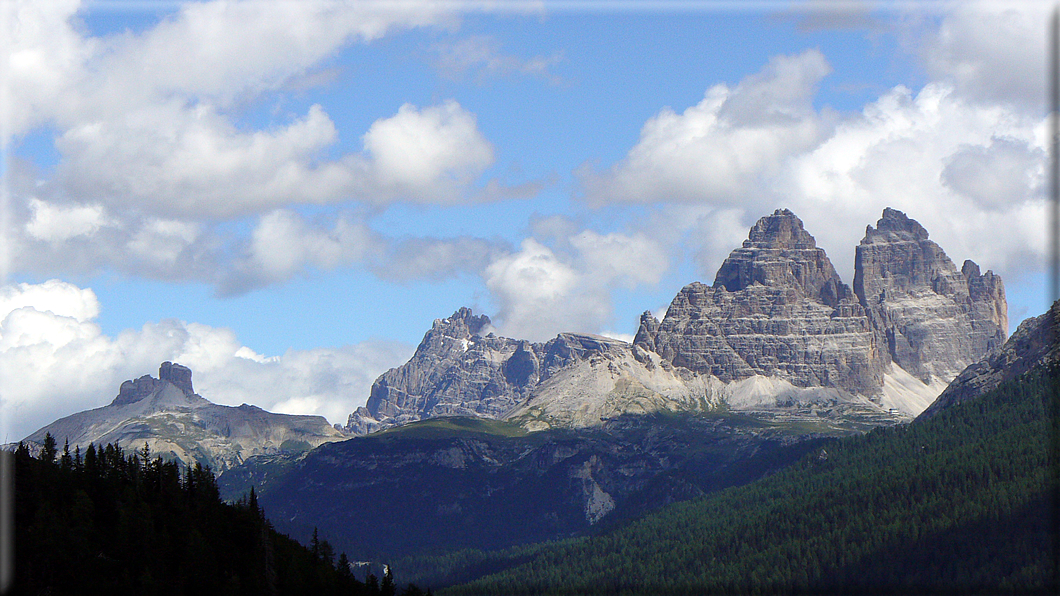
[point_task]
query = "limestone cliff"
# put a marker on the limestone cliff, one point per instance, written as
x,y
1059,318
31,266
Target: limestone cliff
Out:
x,y
571,380
1035,343
777,309
928,317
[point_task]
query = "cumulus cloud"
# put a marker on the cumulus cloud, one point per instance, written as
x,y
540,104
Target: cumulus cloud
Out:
x,y
541,292
54,361
989,51
147,122
285,244
218,53
426,155
56,224
155,163
437,259
719,150
996,175
961,168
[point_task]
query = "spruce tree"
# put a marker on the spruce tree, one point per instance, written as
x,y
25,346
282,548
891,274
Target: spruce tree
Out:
x,y
48,452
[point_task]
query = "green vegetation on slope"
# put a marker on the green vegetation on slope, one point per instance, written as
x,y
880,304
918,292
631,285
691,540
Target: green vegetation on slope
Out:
x,y
964,502
451,426
107,523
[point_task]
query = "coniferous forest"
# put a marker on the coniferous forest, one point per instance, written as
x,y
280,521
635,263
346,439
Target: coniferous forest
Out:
x,y
961,503
103,522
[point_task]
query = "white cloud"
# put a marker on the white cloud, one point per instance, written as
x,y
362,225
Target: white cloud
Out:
x,y
168,160
53,296
56,224
173,161
215,52
538,294
1000,174
426,155
146,122
162,242
541,293
719,150
990,51
54,361
919,153
45,58
437,259
964,163
284,244
618,259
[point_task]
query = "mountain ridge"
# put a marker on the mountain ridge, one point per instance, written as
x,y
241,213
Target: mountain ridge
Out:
x,y
777,315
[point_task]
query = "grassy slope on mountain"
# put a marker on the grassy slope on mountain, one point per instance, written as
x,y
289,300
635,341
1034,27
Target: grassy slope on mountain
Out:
x,y
962,502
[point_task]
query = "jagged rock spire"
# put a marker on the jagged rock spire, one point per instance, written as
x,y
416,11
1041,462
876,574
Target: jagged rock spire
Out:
x,y
930,318
779,252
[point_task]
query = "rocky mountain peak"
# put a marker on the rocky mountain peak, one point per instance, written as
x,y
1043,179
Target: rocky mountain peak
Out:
x,y
178,424
135,390
178,375
894,225
780,253
462,324
932,319
777,309
780,230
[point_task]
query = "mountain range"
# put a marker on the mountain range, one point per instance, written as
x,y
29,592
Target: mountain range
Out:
x,y
777,332
778,336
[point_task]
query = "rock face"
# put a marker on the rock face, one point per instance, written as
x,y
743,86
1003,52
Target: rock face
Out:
x,y
176,423
571,380
1035,343
929,318
455,360
777,309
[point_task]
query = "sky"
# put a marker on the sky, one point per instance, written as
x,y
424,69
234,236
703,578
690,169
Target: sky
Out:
x,y
283,195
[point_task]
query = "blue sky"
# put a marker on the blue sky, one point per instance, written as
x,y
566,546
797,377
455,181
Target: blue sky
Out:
x,y
285,195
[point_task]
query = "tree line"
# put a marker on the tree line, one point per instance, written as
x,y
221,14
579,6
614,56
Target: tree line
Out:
x,y
107,522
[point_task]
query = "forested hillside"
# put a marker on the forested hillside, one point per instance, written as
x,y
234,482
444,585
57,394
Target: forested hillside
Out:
x,y
106,523
964,502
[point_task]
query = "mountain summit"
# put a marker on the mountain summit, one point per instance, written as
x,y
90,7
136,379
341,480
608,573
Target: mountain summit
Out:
x,y
929,318
777,309
176,423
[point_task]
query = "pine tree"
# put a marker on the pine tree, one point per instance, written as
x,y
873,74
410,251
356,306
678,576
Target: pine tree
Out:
x,y
48,452
66,462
